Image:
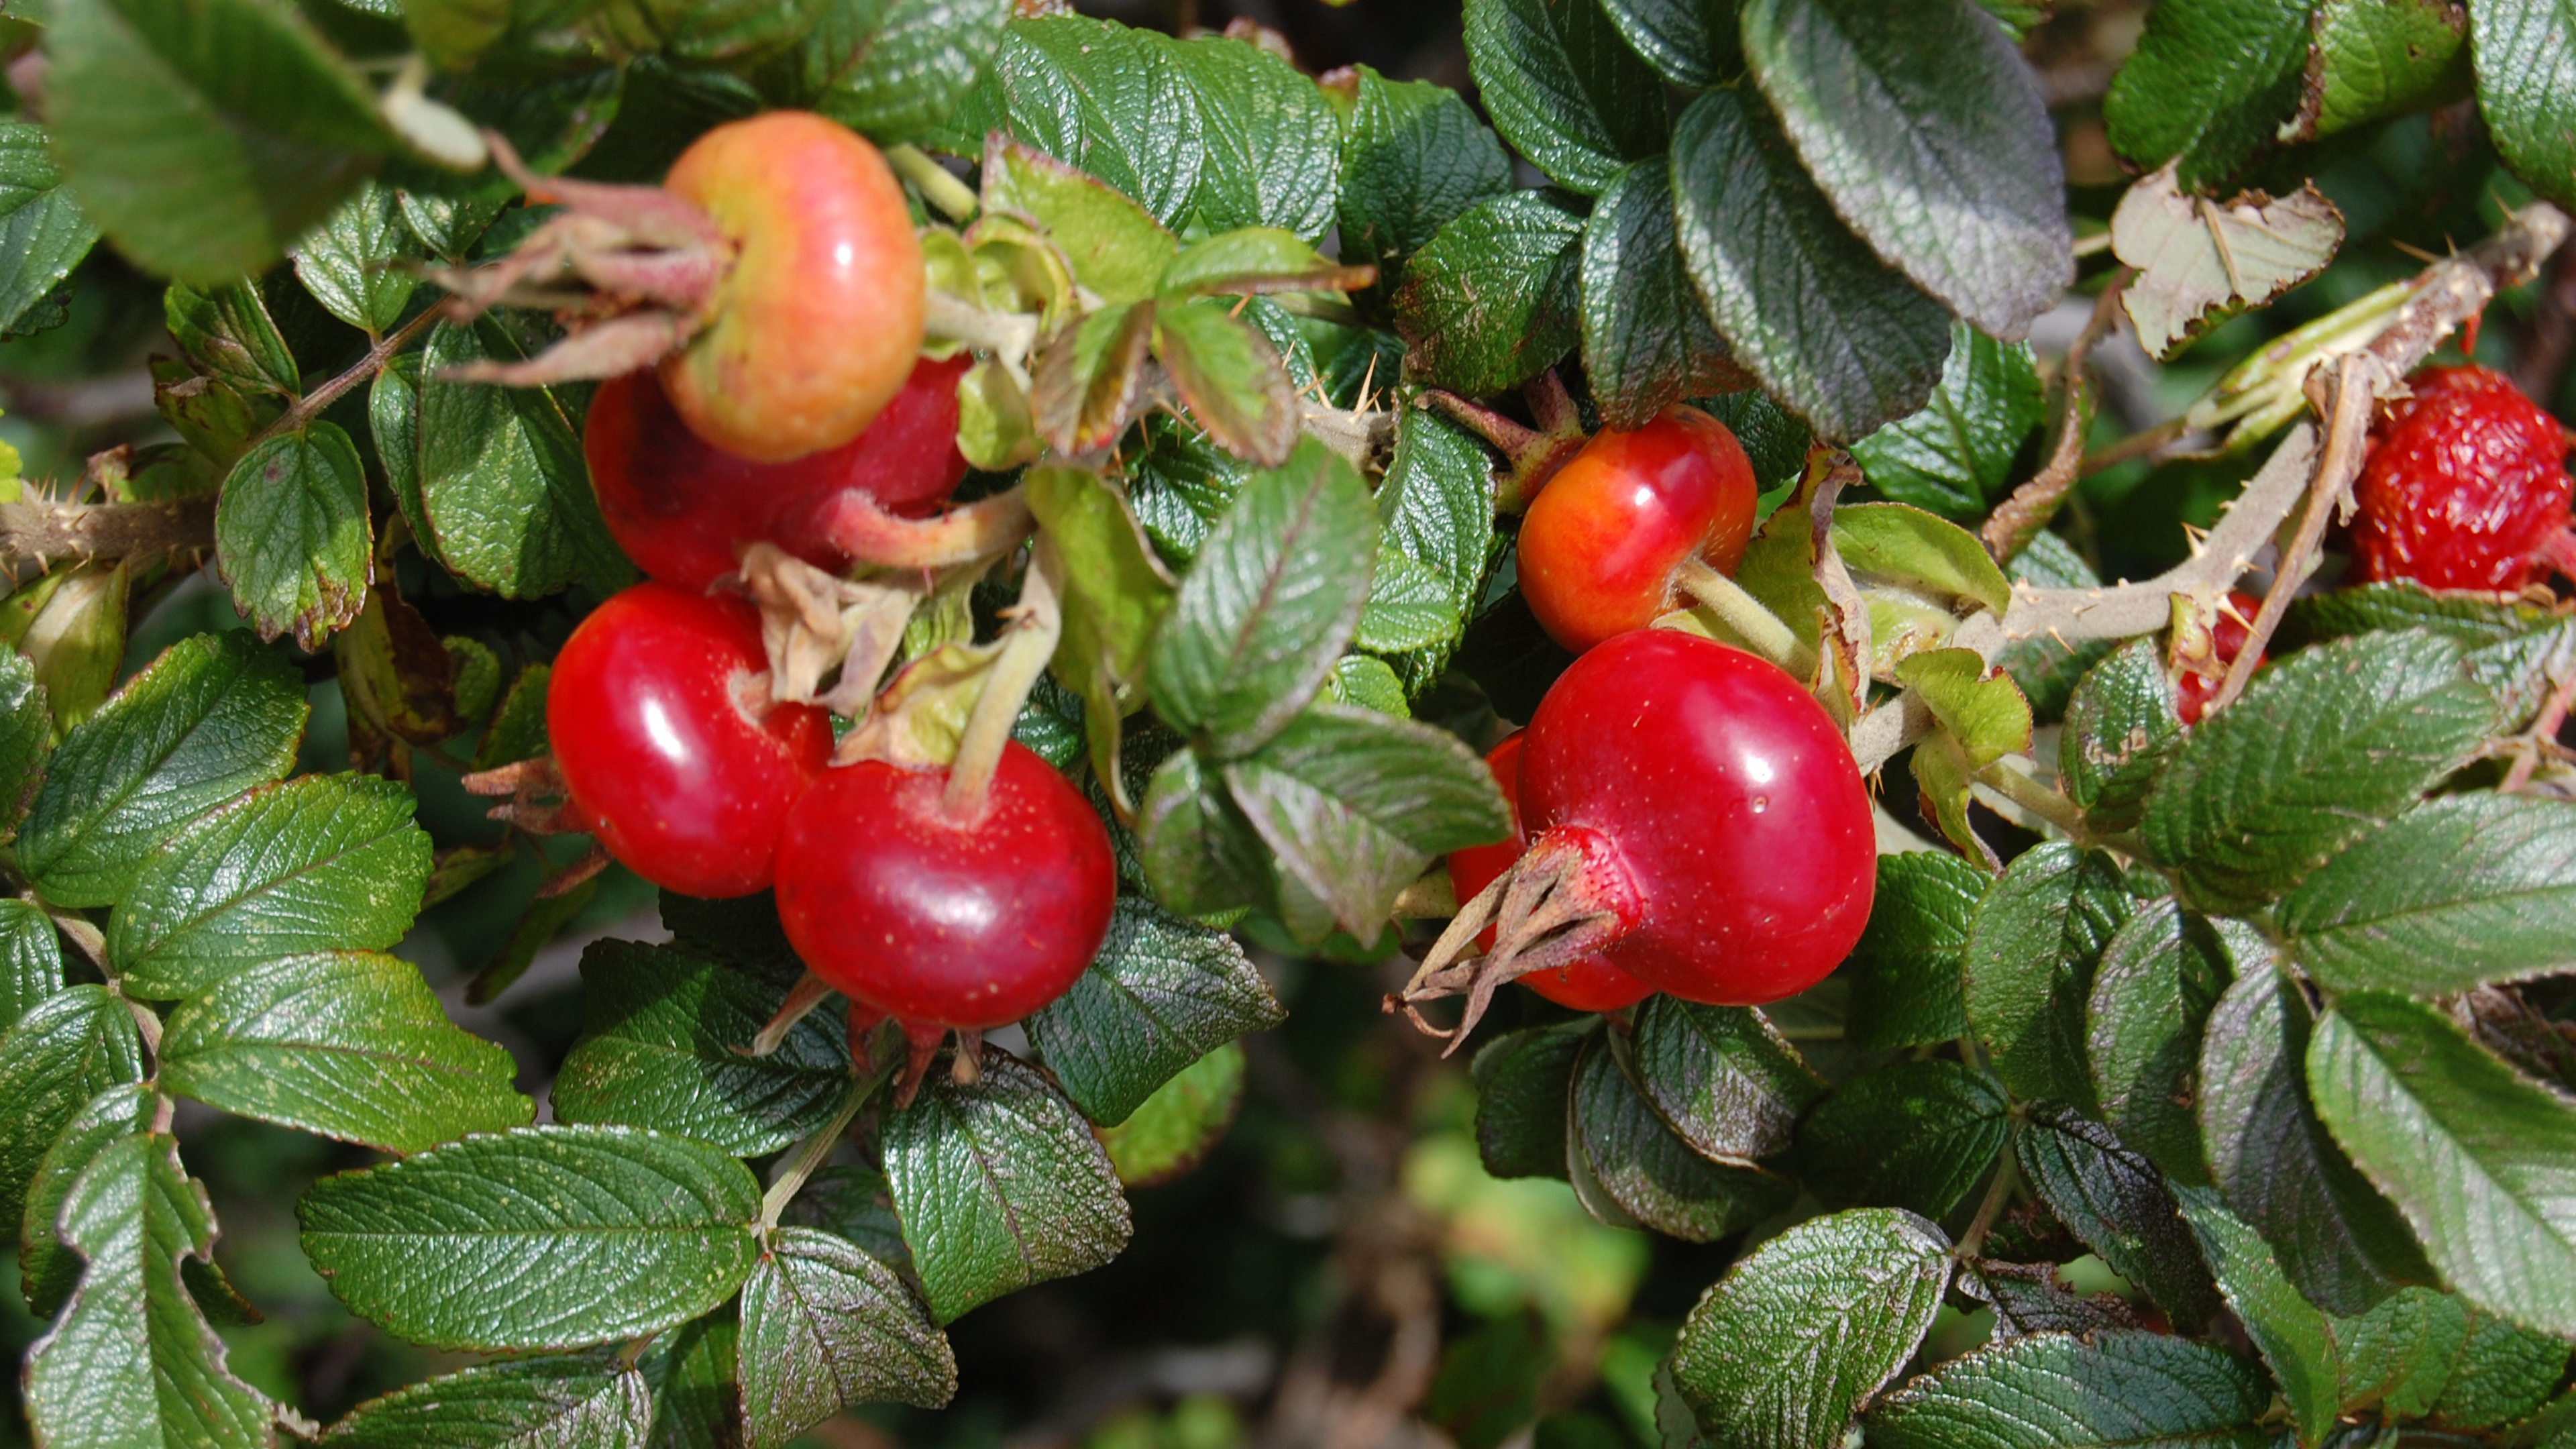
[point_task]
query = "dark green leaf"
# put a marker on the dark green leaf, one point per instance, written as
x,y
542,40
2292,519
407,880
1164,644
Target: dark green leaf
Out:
x,y
353,262
2210,84
2121,729
69,1049
548,1237
855,1202
1915,1135
1095,95
2398,1357
1200,855
2471,619
1273,142
1230,379
227,331
664,1041
1834,333
1356,805
1693,43
2295,1338
26,735
2033,1298
1000,1185
1162,993
1906,971
1177,1127
2375,61
292,534
2151,997
1409,607
1955,457
518,728
696,1396
1646,340
1921,121
502,483
315,864
825,1325
2326,743
1436,509
2124,1388
2458,892
2525,57
578,1400
1802,1332
2481,1160
1722,1077
1649,1174
1270,604
1522,1084
2030,960
1496,295
1414,155
204,138
2503,1373
1564,88
2118,1204
31,960
43,232
49,1269
890,69
349,1044
131,1360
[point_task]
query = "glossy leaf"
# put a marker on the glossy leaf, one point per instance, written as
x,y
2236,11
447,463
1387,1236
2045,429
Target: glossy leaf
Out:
x,y
577,1400
1646,341
1907,969
31,961
1273,142
1522,1082
2210,84
2117,1202
2524,52
1956,456
1175,1129
1100,97
2295,1337
66,1051
2122,727
47,1266
825,1325
2152,995
1722,1077
1914,1135
2125,1388
1496,295
2030,961
1414,155
1564,88
43,231
1162,993
891,71
353,262
2458,892
503,486
1650,1175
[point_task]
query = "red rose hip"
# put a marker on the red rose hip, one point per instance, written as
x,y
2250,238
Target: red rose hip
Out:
x,y
946,920
659,713
1604,546
2466,486
1590,984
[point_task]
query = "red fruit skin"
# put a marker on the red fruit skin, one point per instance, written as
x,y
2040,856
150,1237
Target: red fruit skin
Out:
x,y
1591,984
684,509
820,317
2465,481
1731,802
2227,637
659,714
936,921
1600,546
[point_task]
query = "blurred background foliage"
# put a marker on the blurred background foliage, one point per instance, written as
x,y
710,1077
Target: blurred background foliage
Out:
x,y
1341,1257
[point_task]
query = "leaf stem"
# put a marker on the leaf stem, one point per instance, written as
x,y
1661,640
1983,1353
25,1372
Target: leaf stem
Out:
x,y
311,405
933,181
1747,617
2008,778
1999,1192
818,1148
1036,623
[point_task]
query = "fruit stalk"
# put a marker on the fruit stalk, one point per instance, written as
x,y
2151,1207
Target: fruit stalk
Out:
x,y
1035,624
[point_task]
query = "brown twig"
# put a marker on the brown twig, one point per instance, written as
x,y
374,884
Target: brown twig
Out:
x,y
312,404
40,533
2020,517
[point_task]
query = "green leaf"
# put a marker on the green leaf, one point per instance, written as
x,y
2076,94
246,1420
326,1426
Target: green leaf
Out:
x,y
1496,295
2115,1201
2337,1239
547,1237
1177,1127
1915,1135
663,1045
889,69
1522,1084
1803,1331
2524,53
2327,743
1833,333
227,331
26,734
1229,377
2211,82
2481,1160
1162,994
1722,1077
1955,457
1273,142
2033,1298
132,1361
824,1326
1913,546
1110,101
1921,121
2046,669
693,1374
43,232
2122,726
2471,619
69,1049
1200,855
31,961
1981,713
353,262
2030,961
1248,261
1000,1185
1089,378
2503,1373
1564,89
1356,805
317,863
2152,995
2398,1357
1414,156
2118,1387
1907,969
502,483
1272,601
2456,893
349,1044
1435,507
1645,1172
292,534
1115,247
1409,607
204,138
1694,43
48,1268
2295,1338
1646,340
590,1400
